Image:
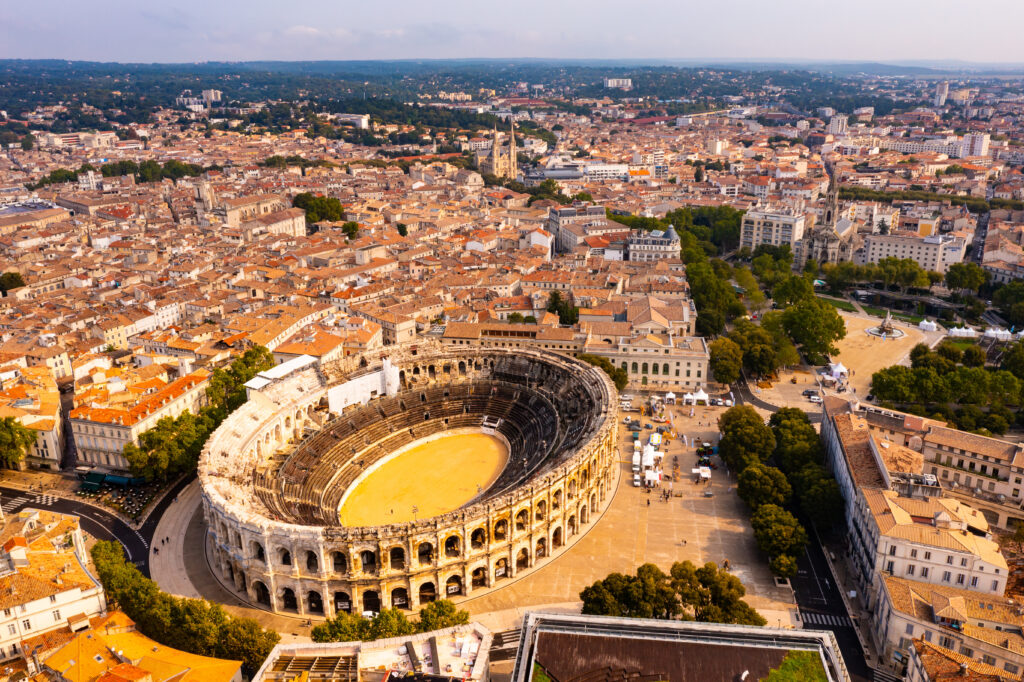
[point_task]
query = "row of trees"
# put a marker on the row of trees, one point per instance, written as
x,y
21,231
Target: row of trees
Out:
x,y
779,465
905,273
173,445
566,311
193,625
319,208
707,594
348,627
147,171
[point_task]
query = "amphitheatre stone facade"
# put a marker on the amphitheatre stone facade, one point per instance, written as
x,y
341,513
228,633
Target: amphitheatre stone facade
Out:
x,y
273,475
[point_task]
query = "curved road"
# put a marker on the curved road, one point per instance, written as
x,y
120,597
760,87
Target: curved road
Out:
x,y
99,523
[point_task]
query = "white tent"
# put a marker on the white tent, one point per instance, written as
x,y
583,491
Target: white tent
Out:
x,y
670,398
705,472
652,476
963,332
700,395
838,370
997,333
688,399
927,326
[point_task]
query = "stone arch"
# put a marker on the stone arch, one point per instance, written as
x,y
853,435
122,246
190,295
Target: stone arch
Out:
x,y
425,553
401,378
572,525
315,602
540,510
400,598
452,546
312,562
500,530
584,513
556,538
556,501
368,559
523,559
462,368
342,602
478,538
478,578
593,502
431,372
371,601
261,593
288,600
453,586
501,569
523,520
258,552
428,592
542,548
396,558
340,562
284,557
571,493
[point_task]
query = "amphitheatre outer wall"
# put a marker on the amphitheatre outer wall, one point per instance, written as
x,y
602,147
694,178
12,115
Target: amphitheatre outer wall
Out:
x,y
318,568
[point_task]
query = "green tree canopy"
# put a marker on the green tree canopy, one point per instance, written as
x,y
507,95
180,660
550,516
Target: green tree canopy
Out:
x,y
11,280
745,438
726,360
814,326
16,441
760,484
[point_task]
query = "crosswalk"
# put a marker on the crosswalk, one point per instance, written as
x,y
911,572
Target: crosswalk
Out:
x,y
29,499
13,503
812,618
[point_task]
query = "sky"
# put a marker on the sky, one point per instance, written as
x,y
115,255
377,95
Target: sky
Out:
x,y
243,30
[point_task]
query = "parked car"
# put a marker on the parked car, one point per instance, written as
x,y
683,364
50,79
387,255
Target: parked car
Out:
x,y
870,398
809,392
709,493
636,480
815,399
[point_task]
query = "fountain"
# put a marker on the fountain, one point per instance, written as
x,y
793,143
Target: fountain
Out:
x,y
887,330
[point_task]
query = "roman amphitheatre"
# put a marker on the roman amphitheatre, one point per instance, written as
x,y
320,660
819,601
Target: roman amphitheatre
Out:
x,y
394,478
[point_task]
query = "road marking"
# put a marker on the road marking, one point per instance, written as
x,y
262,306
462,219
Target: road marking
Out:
x,y
10,505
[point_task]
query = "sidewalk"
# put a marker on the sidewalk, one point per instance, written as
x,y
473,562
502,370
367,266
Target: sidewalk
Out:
x,y
860,617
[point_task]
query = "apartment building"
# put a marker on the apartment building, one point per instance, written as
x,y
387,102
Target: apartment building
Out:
x,y
935,252
101,432
652,246
588,220
773,227
44,583
30,395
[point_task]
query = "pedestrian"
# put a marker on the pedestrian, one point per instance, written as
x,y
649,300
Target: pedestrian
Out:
x,y
648,502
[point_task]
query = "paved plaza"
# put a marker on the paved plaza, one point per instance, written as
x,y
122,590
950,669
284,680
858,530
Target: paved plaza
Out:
x,y
636,528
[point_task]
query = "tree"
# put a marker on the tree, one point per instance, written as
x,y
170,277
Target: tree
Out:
x,y
777,531
814,326
319,208
711,594
28,142
441,614
698,175
792,290
192,625
783,565
403,229
818,495
344,627
567,312
745,438
15,441
390,623
516,318
350,228
11,280
759,484
645,595
726,360
974,357
796,442
617,374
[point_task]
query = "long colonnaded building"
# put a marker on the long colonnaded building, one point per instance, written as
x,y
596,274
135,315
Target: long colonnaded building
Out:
x,y
277,475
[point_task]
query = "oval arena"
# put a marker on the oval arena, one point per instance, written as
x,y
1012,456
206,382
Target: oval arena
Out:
x,y
509,455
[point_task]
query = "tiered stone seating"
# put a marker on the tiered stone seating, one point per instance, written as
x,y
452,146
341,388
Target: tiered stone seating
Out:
x,y
308,486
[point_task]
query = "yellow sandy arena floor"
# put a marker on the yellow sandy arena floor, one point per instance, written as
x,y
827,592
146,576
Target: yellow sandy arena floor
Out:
x,y
436,477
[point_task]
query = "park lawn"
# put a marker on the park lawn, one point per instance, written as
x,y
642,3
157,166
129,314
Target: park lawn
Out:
x,y
841,305
962,344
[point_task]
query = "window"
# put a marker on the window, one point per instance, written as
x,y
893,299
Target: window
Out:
x,y
26,624
946,575
949,560
892,550
12,629
927,635
910,569
910,629
1011,668
959,578
924,572
927,556
913,554
974,581
53,599
963,561
995,585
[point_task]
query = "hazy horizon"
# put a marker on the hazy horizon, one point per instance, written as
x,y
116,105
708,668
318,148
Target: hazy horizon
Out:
x,y
655,30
